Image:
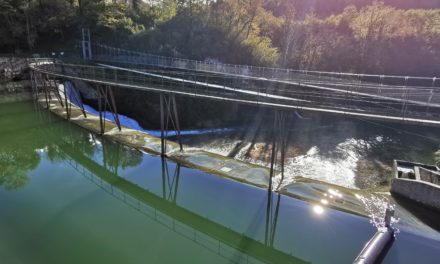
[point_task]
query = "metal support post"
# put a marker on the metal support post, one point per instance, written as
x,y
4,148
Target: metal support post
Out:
x,y
279,144
162,126
101,119
66,103
45,90
113,107
168,114
106,98
431,94
86,44
58,96
78,98
34,85
271,218
170,183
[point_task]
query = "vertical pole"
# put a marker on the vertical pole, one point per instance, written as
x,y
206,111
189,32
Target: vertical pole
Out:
x,y
45,91
34,93
274,150
279,144
164,172
271,218
431,94
79,100
282,140
58,96
162,117
405,95
115,111
268,210
275,221
66,103
176,117
86,44
100,109
36,85
177,176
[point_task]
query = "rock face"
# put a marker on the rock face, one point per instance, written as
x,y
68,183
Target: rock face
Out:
x,y
12,69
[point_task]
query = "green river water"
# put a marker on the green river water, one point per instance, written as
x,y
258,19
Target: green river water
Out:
x,y
68,196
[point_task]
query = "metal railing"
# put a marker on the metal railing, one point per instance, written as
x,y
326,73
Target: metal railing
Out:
x,y
112,54
399,104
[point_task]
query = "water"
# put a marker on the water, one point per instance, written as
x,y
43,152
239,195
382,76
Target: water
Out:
x,y
67,196
348,152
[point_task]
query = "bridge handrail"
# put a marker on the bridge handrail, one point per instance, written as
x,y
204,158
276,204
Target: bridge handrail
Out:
x,y
241,90
267,69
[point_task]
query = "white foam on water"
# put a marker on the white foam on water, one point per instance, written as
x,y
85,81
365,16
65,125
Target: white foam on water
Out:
x,y
337,167
376,207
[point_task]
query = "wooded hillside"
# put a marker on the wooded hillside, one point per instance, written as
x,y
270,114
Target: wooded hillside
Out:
x,y
391,37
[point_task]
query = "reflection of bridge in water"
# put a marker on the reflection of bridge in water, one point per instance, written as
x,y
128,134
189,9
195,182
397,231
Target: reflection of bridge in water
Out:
x,y
226,242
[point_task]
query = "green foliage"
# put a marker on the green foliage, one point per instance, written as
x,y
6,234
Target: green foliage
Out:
x,y
368,36
118,18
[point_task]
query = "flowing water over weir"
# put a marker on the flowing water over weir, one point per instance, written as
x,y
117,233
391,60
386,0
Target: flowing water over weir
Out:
x,y
348,152
69,196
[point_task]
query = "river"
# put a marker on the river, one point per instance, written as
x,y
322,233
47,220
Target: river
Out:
x,y
68,196
349,152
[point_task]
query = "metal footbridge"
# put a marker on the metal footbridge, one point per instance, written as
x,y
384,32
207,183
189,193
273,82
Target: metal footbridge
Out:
x,y
389,98
401,99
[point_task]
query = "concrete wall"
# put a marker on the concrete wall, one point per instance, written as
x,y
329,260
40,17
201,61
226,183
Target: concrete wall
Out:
x,y
429,176
422,192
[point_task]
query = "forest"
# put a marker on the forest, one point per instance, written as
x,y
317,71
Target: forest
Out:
x,y
399,37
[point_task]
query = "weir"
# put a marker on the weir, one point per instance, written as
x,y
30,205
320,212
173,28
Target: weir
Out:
x,y
152,205
171,83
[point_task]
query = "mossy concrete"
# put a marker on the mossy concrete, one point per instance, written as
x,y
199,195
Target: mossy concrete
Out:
x,y
195,158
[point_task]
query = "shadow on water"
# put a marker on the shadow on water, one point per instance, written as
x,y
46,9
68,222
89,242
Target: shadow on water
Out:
x,y
241,224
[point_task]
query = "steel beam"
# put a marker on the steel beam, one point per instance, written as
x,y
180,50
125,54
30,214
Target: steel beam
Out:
x,y
66,100
170,183
100,110
168,114
279,145
81,105
106,98
271,217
